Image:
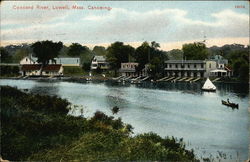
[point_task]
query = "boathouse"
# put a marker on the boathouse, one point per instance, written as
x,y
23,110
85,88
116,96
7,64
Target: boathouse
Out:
x,y
186,68
38,69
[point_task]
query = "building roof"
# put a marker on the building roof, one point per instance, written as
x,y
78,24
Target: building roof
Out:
x,y
30,67
67,60
185,61
218,70
62,60
100,58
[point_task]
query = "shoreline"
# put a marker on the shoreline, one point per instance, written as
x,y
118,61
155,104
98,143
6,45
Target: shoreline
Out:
x,y
103,79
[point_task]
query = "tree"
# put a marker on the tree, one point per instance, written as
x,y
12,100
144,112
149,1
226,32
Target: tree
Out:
x,y
149,53
75,49
118,53
142,55
20,54
175,54
195,51
239,60
46,50
5,56
99,51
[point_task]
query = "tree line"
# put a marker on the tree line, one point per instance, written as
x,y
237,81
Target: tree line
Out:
x,y
147,53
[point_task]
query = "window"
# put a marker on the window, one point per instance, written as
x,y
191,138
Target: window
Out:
x,y
176,65
194,65
170,65
202,66
188,66
210,65
26,59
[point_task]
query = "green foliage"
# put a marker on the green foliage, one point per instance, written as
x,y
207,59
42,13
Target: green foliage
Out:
x,y
195,51
20,54
5,56
73,71
46,50
75,49
99,51
239,61
175,54
9,71
36,130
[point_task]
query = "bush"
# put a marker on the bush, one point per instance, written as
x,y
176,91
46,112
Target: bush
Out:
x,y
36,127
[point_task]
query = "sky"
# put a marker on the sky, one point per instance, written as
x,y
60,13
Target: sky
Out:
x,y
104,22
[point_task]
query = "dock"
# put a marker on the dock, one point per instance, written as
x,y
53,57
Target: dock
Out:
x,y
216,79
162,79
169,79
195,80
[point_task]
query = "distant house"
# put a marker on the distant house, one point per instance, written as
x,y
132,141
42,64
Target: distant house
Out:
x,y
47,70
99,62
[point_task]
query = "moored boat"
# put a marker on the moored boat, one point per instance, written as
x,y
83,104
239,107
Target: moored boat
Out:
x,y
233,105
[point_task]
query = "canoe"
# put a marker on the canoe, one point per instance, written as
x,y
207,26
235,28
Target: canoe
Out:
x,y
233,105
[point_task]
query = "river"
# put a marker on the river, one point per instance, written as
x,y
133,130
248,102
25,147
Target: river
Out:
x,y
168,109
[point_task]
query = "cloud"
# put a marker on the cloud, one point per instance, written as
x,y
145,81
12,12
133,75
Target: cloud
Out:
x,y
169,25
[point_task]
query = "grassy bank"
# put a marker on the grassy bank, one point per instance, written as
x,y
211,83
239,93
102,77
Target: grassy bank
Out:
x,y
36,127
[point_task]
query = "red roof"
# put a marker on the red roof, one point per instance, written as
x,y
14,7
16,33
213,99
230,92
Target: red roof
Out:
x,y
50,67
30,67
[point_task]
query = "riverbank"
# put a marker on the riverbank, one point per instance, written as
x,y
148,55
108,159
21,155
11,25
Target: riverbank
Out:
x,y
37,127
101,78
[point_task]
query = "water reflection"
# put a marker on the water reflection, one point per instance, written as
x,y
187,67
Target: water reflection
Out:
x,y
178,109
42,87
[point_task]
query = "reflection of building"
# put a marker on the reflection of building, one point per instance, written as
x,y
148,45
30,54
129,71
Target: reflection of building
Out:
x,y
99,62
47,70
65,61
129,69
197,68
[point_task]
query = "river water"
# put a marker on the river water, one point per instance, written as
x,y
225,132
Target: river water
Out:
x,y
168,109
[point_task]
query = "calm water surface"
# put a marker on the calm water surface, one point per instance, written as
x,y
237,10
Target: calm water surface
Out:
x,y
169,109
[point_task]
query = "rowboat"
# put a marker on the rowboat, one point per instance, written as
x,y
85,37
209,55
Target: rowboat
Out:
x,y
233,105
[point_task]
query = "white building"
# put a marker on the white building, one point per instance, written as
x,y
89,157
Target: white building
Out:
x,y
99,62
65,61
28,60
195,68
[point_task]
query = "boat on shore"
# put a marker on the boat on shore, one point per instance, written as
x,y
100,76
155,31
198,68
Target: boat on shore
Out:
x,y
208,86
227,103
